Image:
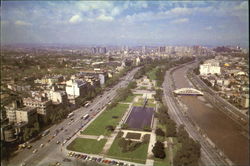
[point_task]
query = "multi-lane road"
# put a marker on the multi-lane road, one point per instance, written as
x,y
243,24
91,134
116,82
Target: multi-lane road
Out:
x,y
70,127
209,156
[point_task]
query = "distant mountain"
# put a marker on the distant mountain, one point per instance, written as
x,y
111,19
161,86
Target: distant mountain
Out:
x,y
222,49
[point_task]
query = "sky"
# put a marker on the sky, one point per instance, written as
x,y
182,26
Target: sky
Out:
x,y
126,22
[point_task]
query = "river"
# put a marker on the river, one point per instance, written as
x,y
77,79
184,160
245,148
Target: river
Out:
x,y
224,132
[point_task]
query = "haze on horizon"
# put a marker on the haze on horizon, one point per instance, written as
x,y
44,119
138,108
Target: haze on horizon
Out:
x,y
126,23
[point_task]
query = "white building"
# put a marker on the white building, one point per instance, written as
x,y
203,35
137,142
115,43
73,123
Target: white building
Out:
x,y
138,61
75,87
210,67
245,101
56,96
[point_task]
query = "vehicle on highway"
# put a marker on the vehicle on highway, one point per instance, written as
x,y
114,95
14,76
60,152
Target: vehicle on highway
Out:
x,y
99,160
61,128
70,115
85,116
22,146
64,142
46,132
29,146
87,104
23,164
57,142
34,151
42,145
91,110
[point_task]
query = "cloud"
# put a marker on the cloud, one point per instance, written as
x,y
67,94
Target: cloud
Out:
x,y
209,28
105,18
180,11
116,11
94,5
22,23
75,19
180,21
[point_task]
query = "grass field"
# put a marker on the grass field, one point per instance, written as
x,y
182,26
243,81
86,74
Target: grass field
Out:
x,y
130,98
139,155
151,75
90,146
98,126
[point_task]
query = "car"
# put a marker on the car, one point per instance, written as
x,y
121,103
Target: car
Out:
x,y
29,146
113,162
34,151
99,160
42,145
94,158
57,142
23,164
57,163
64,142
91,110
49,140
61,128
121,163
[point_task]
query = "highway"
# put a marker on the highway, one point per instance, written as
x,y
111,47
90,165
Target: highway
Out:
x,y
209,155
70,127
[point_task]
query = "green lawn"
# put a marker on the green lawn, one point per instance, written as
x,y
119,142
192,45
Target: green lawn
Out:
x,y
139,155
151,75
90,146
98,126
130,98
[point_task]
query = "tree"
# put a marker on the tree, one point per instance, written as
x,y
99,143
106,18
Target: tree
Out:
x,y
182,134
110,128
158,150
158,95
171,128
159,132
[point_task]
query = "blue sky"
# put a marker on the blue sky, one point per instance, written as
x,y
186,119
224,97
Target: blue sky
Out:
x,y
126,22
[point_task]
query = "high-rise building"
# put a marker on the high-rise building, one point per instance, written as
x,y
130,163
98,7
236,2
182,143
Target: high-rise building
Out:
x,y
161,49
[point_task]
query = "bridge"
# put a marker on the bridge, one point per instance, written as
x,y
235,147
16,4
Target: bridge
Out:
x,y
188,91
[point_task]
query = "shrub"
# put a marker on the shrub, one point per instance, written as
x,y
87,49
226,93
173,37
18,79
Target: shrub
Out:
x,y
158,150
133,135
120,134
159,132
110,128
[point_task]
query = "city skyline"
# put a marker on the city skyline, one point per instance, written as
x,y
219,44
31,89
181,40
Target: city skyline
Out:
x,y
126,23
